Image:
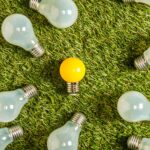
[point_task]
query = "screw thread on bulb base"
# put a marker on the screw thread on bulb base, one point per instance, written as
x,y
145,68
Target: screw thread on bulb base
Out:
x,y
30,91
140,63
134,142
73,88
34,4
128,1
15,132
37,50
79,119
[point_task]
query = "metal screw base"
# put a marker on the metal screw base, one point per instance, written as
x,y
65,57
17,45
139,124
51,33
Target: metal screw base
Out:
x,y
37,51
34,4
134,142
79,119
30,91
140,63
15,132
128,1
73,88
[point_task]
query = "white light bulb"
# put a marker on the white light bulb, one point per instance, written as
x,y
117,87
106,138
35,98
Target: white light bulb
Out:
x,y
143,62
8,135
60,13
17,30
137,143
11,102
133,106
138,1
66,137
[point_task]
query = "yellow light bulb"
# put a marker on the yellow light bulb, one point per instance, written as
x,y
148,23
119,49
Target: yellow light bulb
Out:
x,y
72,70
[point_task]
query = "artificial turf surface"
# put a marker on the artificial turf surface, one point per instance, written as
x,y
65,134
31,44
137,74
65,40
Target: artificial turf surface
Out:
x,y
107,37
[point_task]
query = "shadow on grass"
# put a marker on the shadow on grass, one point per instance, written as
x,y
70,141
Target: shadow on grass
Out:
x,y
106,109
51,73
123,142
136,49
35,16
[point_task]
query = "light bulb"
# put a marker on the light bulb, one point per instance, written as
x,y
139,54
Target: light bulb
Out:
x,y
11,102
137,143
8,135
17,30
133,106
66,137
138,1
143,62
60,13
72,70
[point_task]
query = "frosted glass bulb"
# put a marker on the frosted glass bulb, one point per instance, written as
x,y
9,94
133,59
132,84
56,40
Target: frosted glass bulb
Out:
x,y
138,1
133,106
143,62
11,102
8,135
137,143
17,30
66,137
60,13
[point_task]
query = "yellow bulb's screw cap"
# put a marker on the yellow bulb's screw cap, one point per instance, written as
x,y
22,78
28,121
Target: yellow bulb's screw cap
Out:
x,y
73,88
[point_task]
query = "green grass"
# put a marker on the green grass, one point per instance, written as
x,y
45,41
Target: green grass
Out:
x,y
107,37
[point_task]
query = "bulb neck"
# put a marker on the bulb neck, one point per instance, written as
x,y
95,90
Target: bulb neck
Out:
x,y
15,132
79,119
140,63
37,50
73,88
134,142
34,4
30,91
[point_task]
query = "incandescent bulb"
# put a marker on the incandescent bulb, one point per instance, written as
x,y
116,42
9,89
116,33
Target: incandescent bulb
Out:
x,y
143,62
138,1
11,102
66,137
133,106
60,13
17,30
72,70
137,143
8,135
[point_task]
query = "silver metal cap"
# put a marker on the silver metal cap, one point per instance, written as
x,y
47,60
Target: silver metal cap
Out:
x,y
79,119
37,51
134,142
73,88
140,63
34,4
30,91
128,1
15,132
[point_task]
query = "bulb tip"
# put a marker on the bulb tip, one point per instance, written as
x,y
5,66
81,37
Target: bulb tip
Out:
x,y
133,142
79,119
30,91
37,51
34,4
16,131
140,63
73,88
